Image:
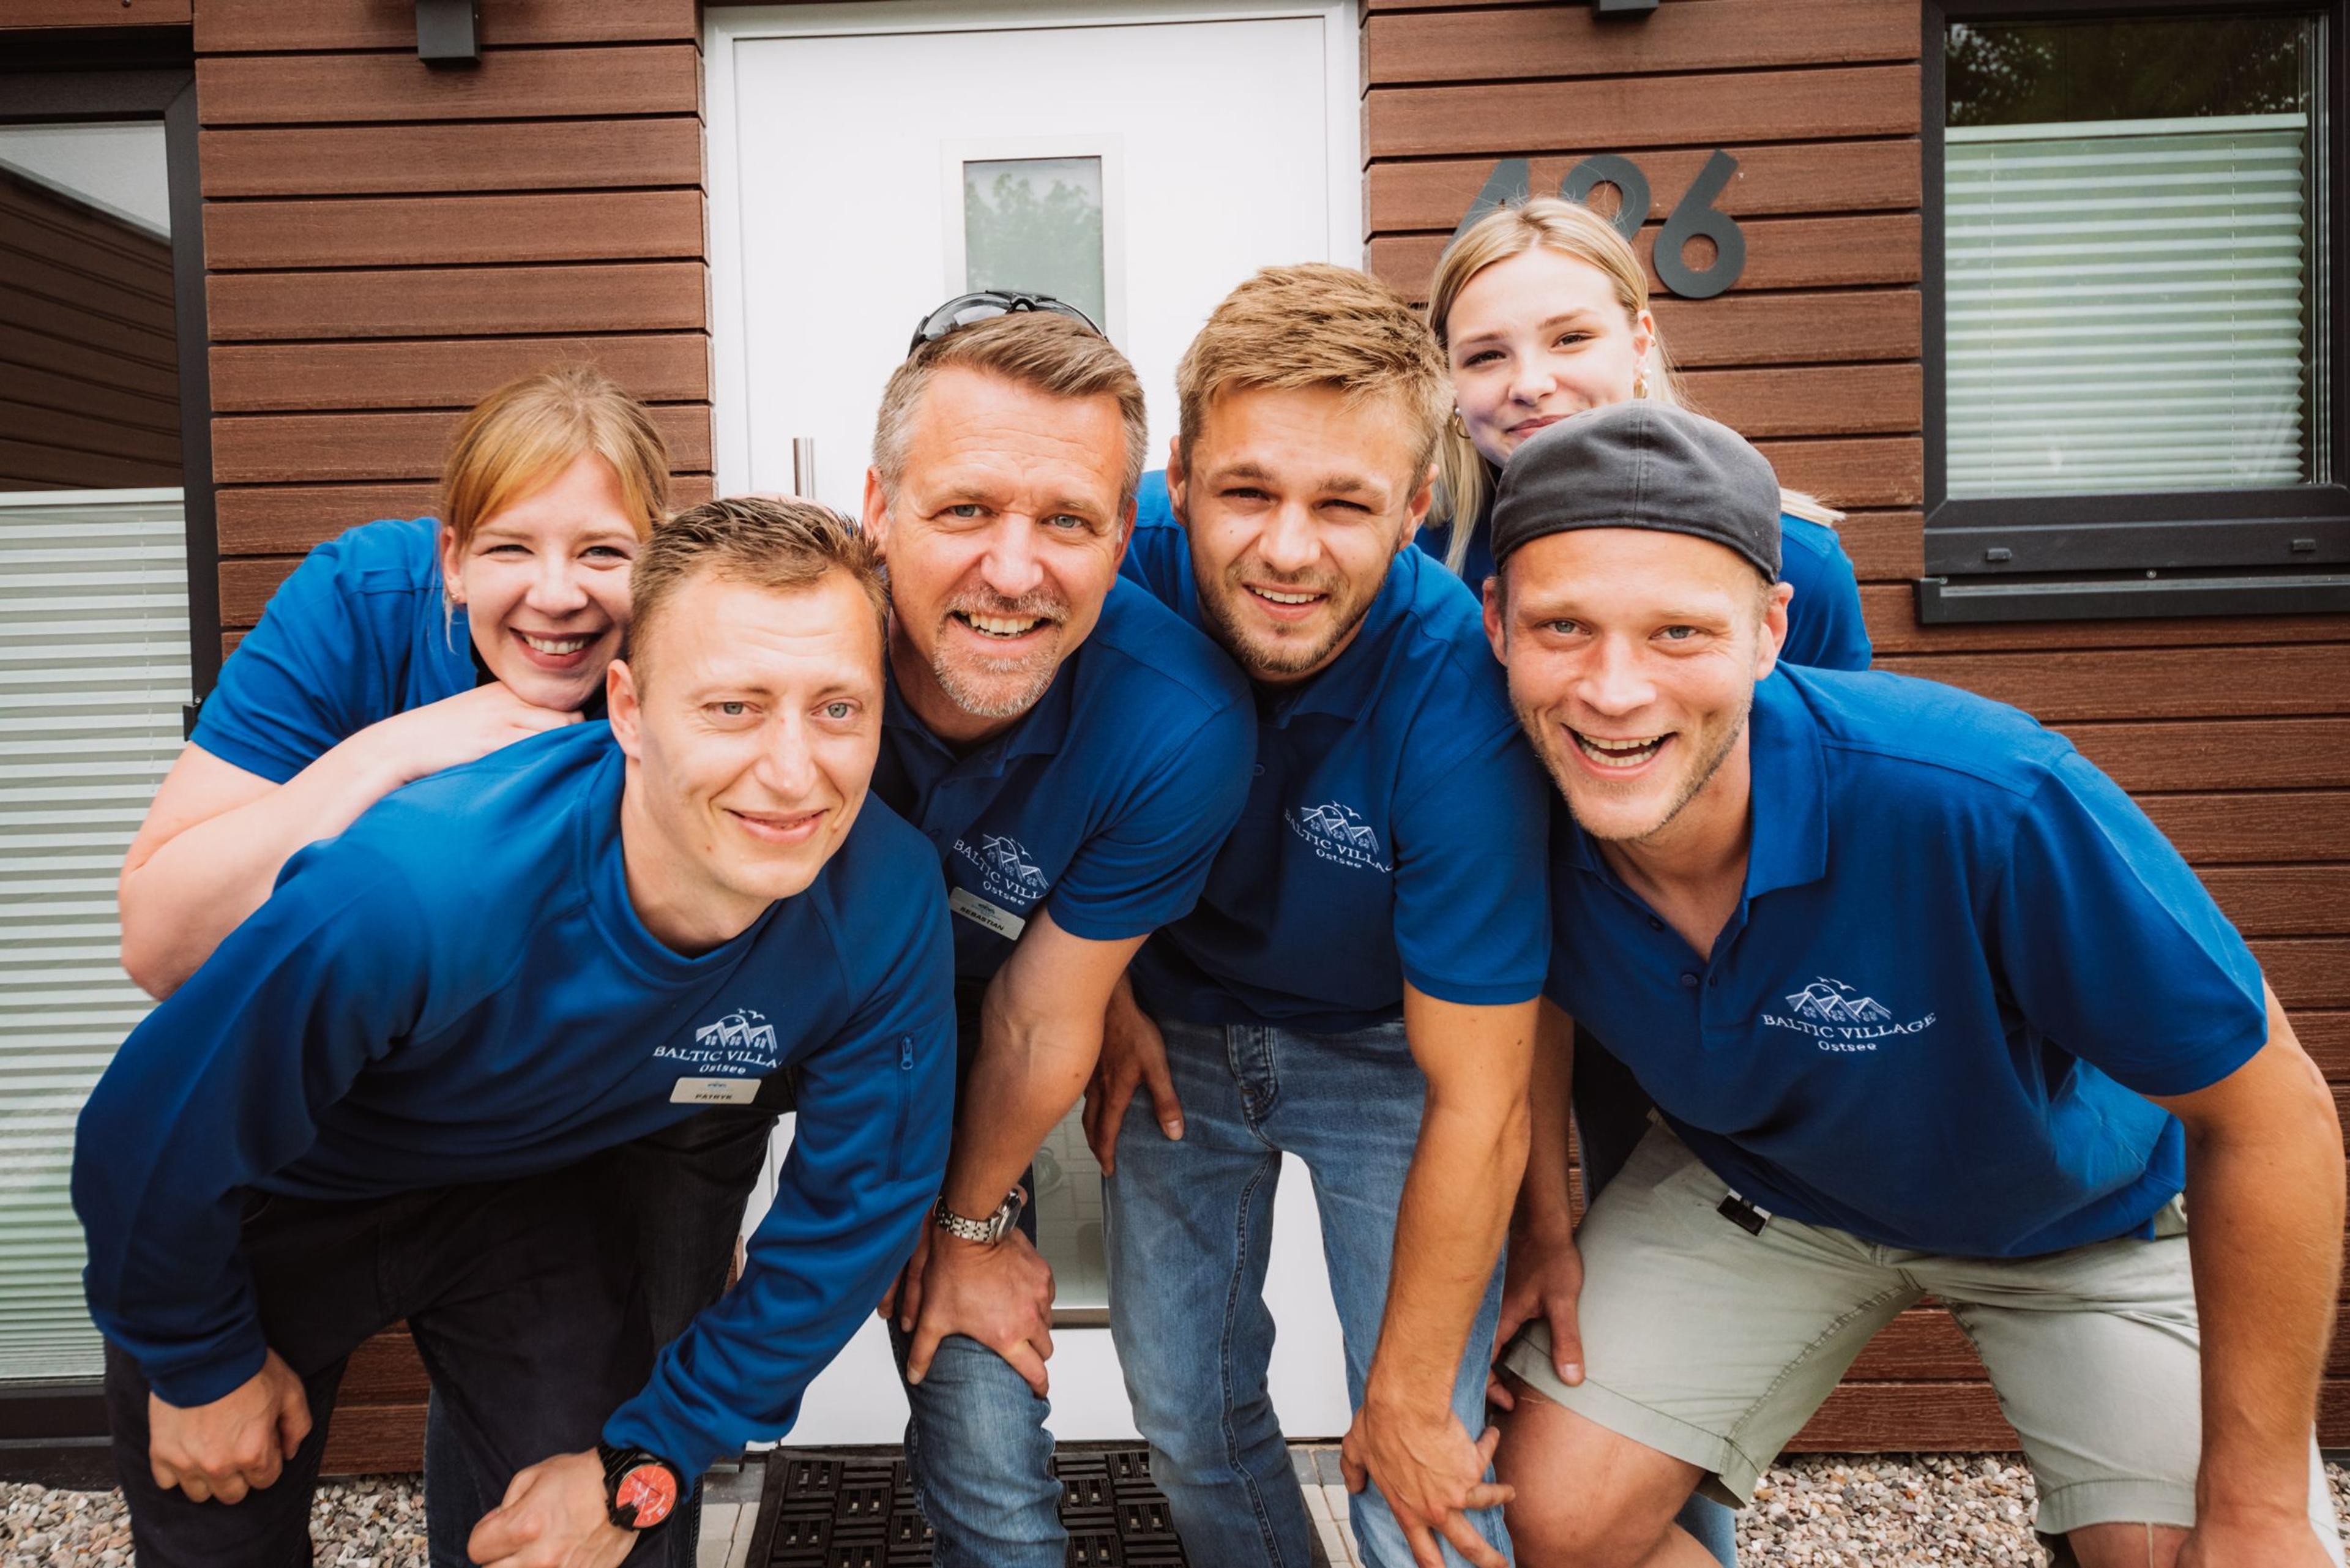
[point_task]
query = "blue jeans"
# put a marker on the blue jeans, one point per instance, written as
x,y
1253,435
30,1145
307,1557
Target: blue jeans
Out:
x,y
1188,1237
979,1456
1611,1116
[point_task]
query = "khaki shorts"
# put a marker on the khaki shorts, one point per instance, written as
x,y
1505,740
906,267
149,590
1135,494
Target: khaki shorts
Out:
x,y
1714,1345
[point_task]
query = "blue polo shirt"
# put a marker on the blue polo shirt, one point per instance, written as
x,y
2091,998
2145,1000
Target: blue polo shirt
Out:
x,y
1103,804
357,634
458,989
1962,958
1824,626
1389,832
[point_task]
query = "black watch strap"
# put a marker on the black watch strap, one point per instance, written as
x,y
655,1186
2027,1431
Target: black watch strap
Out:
x,y
640,1489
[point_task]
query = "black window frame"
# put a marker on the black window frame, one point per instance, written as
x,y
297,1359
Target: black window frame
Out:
x,y
54,1431
2285,550
68,77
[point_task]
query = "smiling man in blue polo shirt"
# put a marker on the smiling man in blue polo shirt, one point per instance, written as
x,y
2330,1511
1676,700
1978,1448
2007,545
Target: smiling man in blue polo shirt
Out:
x,y
373,1101
1927,1007
1356,987
1076,754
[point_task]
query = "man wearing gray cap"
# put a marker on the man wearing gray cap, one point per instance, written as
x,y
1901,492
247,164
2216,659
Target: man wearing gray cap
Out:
x,y
1927,1007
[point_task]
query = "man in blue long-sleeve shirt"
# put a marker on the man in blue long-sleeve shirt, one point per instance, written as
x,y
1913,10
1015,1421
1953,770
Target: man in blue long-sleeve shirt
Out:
x,y
374,1100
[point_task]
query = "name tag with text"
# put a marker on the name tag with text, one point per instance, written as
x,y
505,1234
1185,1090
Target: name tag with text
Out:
x,y
714,1092
979,912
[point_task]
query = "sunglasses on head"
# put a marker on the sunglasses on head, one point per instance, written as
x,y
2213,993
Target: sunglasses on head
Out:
x,y
965,308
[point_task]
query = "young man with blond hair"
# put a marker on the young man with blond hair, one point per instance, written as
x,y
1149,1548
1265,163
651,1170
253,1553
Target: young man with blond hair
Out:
x,y
372,1102
1076,754
1357,984
1926,1006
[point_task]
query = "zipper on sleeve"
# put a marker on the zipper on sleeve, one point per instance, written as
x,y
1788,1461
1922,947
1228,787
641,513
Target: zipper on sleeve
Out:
x,y
905,1105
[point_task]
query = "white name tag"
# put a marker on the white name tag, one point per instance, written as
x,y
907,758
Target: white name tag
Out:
x,y
979,912
714,1092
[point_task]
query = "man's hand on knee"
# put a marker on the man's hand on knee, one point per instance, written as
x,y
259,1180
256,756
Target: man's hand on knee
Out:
x,y
998,1293
2228,1539
1133,1056
1431,1474
1542,1280
557,1514
240,1441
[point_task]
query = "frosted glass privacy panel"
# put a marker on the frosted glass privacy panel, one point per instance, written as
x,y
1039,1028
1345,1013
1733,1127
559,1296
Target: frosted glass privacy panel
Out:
x,y
2130,250
1034,224
93,674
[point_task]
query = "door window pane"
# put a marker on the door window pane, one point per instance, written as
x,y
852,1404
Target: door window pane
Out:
x,y
1034,224
2132,275
1068,1199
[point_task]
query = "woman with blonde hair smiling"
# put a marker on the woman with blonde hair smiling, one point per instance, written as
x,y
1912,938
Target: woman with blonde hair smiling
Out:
x,y
401,648
1542,307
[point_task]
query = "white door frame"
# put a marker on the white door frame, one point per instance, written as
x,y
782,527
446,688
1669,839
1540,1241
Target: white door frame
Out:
x,y
727,26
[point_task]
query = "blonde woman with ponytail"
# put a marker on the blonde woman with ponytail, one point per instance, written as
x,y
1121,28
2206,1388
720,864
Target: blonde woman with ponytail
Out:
x,y
1543,310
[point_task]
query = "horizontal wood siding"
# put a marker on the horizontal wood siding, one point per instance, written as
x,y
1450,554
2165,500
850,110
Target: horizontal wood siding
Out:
x,y
27,16
386,242
2234,735
89,394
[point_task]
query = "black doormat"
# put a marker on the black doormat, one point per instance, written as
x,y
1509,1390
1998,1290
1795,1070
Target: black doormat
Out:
x,y
854,1507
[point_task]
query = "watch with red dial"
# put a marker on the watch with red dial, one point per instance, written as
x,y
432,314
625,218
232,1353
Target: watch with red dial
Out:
x,y
640,1490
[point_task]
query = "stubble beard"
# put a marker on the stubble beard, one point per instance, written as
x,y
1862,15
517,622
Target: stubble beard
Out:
x,y
1227,623
1547,736
1001,689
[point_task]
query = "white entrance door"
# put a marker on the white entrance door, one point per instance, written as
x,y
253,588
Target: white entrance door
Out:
x,y
869,161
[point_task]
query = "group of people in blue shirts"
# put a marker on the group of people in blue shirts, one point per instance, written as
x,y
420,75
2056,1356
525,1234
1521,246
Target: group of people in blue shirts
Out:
x,y
1461,755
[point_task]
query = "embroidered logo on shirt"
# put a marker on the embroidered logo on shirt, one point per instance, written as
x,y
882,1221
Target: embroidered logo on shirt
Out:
x,y
1837,1017
1338,833
1008,873
742,1042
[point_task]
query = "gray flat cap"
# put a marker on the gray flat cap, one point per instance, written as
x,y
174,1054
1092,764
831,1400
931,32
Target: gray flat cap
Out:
x,y
1641,464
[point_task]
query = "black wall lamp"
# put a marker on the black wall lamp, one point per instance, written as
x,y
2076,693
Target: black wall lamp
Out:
x,y
448,31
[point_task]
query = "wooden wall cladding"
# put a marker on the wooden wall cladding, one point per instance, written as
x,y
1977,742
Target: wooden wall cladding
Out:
x,y
386,242
89,395
28,14
2233,734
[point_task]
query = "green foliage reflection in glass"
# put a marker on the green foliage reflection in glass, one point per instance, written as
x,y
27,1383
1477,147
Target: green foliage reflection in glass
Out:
x,y
2032,73
1034,224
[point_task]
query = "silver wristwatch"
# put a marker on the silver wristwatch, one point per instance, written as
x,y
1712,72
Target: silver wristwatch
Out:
x,y
984,1231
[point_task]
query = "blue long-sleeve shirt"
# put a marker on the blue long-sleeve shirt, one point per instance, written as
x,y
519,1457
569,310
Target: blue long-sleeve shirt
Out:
x,y
458,989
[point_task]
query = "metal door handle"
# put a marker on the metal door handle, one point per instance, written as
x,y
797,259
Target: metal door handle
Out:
x,y
804,467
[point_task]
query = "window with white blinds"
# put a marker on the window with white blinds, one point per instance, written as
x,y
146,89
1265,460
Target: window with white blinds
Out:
x,y
93,672
2124,305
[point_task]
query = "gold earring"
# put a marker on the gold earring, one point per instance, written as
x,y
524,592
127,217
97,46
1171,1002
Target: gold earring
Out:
x,y
1459,425
1641,379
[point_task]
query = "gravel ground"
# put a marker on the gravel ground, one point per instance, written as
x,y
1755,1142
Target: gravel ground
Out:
x,y
1874,1511
371,1521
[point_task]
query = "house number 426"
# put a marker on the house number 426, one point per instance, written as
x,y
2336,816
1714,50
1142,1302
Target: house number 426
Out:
x,y
1693,216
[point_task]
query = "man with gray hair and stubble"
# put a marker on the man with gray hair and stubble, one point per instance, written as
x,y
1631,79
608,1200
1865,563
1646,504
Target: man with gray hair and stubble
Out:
x,y
1076,754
